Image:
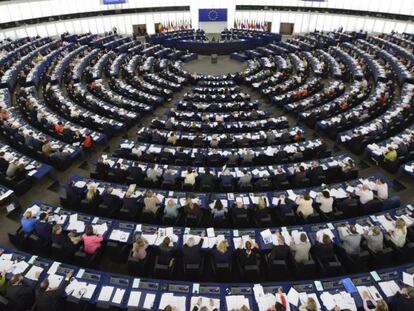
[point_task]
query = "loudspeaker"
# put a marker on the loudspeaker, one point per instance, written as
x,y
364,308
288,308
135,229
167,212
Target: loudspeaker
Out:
x,y
214,58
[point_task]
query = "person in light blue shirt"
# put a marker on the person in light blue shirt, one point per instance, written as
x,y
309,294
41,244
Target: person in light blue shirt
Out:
x,y
171,209
28,222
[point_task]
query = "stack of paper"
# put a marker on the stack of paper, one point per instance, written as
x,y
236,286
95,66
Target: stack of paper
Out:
x,y
106,293
342,299
119,235
371,290
236,302
134,298
408,279
386,224
149,301
320,234
207,302
54,280
100,229
177,302
20,267
80,290
390,288
31,274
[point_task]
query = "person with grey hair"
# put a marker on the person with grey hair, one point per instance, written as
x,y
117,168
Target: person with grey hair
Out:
x,y
374,238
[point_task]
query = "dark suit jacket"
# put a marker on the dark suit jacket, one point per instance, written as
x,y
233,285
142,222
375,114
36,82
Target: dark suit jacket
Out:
x,y
44,230
220,257
62,239
51,300
401,303
22,295
280,252
207,179
3,164
192,254
323,251
111,200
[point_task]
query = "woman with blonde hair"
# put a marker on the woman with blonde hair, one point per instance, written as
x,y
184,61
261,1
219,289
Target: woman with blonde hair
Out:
x,y
28,222
221,252
379,305
91,194
399,234
261,204
139,248
310,305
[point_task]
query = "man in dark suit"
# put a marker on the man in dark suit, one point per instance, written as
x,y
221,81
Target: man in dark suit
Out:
x,y
263,184
135,172
403,300
181,155
192,252
3,162
113,201
316,171
20,293
102,167
280,251
74,194
119,172
324,251
51,299
207,178
42,228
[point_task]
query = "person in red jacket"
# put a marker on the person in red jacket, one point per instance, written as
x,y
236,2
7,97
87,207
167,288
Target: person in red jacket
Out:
x,y
87,142
59,128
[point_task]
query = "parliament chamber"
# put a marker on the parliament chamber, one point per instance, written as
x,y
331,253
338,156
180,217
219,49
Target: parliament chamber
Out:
x,y
226,155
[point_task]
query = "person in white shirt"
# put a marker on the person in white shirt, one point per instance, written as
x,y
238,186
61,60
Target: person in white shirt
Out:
x,y
381,188
190,178
304,205
326,202
301,249
399,235
136,151
365,194
153,174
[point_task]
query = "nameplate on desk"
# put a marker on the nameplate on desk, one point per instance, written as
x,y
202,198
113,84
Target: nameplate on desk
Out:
x,y
119,281
375,276
318,285
136,282
183,288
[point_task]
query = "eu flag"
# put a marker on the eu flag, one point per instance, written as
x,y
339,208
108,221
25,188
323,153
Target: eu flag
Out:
x,y
212,15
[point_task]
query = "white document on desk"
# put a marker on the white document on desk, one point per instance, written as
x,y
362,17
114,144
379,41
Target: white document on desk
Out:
x,y
177,302
293,296
408,279
31,274
54,280
106,293
149,301
134,298
390,288
236,302
119,295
